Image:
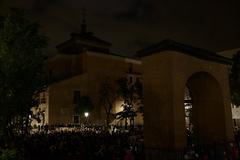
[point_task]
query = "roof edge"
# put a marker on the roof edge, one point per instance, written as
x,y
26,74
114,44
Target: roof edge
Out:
x,y
185,49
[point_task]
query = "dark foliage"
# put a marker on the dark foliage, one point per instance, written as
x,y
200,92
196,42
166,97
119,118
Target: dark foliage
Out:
x,y
21,60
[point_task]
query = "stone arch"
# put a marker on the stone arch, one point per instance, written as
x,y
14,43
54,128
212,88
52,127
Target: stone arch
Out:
x,y
167,68
208,108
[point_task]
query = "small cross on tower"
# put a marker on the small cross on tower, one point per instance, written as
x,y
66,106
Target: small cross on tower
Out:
x,y
84,24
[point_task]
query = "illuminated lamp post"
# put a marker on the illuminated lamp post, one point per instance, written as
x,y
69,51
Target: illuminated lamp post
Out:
x,y
86,114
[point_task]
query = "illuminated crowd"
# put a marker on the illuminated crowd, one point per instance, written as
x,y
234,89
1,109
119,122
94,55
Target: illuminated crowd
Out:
x,y
84,144
99,143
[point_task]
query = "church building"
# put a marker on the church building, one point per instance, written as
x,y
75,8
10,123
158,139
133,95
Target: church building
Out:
x,y
83,63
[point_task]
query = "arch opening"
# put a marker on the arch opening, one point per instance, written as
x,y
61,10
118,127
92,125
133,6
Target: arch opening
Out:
x,y
204,110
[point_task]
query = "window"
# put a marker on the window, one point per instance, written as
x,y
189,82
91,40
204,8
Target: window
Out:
x,y
130,69
76,119
76,97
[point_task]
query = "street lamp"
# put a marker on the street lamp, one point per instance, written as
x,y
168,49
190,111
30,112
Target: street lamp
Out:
x,y
86,114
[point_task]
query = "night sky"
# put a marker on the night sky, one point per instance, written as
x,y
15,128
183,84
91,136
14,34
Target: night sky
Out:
x,y
131,25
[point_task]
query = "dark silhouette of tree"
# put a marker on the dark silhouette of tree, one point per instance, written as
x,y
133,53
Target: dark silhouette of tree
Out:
x,y
127,112
132,100
235,79
21,60
139,98
107,98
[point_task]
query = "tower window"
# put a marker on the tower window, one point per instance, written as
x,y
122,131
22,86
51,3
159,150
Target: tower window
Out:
x,y
76,119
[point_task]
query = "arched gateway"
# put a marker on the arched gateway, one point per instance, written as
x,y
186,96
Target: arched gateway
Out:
x,y
168,68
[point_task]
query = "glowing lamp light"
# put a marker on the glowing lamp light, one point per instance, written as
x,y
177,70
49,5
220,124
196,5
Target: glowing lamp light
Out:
x,y
86,114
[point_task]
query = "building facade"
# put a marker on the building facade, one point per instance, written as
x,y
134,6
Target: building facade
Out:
x,y
169,68
175,77
83,63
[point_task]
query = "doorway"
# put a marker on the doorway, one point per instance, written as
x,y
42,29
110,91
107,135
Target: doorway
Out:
x,y
204,109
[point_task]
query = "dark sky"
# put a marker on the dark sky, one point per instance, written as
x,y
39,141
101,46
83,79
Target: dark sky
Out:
x,y
134,24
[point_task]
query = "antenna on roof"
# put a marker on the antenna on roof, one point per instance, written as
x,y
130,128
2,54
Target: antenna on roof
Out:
x,y
84,24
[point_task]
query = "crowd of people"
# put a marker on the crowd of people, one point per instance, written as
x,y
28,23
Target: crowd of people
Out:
x,y
99,143
218,151
83,144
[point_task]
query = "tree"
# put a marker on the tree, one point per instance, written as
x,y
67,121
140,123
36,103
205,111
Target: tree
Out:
x,y
235,79
21,60
127,112
107,98
139,92
132,99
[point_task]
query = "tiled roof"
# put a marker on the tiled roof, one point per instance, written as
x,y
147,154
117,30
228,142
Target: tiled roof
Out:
x,y
90,37
81,41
